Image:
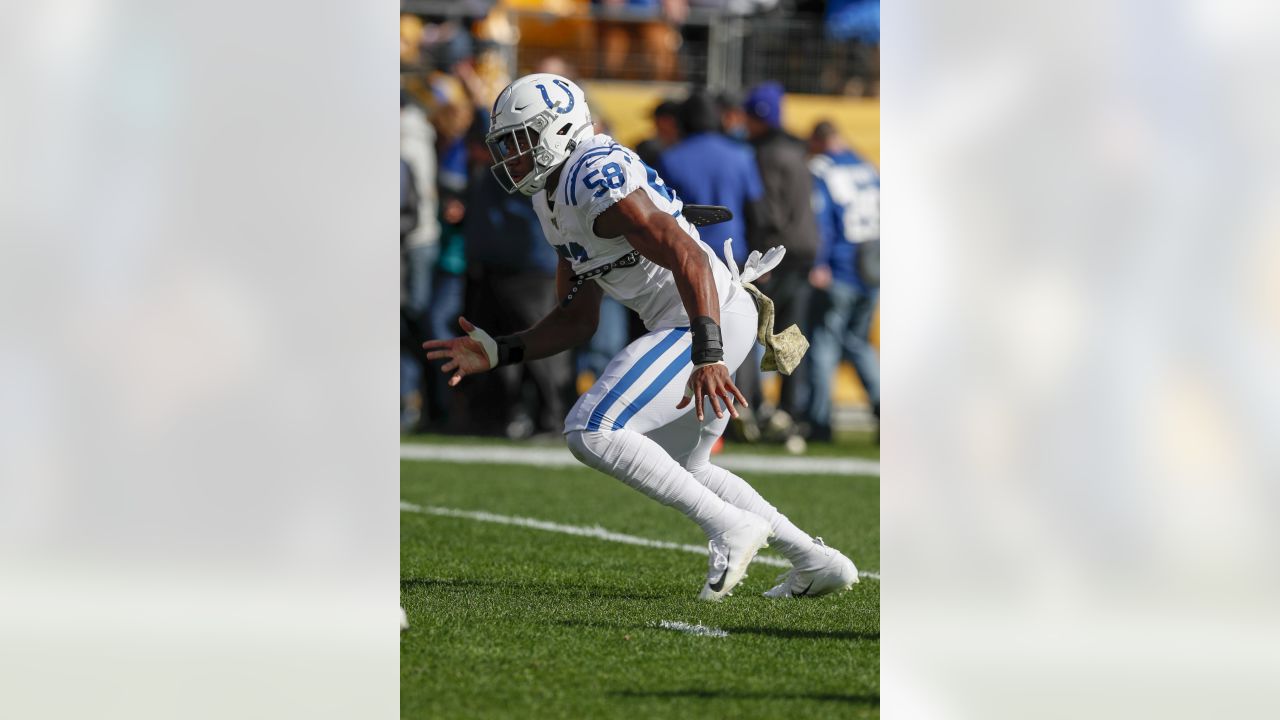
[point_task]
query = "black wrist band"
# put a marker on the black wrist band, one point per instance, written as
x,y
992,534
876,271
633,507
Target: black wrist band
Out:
x,y
707,344
510,350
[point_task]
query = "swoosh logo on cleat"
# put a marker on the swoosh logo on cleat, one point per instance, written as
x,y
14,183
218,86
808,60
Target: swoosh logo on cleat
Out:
x,y
718,585
802,592
522,107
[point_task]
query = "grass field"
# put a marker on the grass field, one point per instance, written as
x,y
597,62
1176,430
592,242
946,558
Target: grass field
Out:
x,y
511,621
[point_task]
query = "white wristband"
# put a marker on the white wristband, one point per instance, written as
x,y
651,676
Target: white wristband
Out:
x,y
488,343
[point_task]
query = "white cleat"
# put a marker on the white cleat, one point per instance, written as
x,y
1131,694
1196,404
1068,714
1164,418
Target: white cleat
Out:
x,y
826,572
731,552
404,620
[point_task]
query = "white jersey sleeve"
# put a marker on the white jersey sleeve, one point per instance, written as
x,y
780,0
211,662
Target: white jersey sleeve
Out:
x,y
601,177
595,177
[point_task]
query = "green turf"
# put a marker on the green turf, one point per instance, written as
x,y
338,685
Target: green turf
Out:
x,y
517,622
851,443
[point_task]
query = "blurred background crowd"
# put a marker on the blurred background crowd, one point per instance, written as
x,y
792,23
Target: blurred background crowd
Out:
x,y
767,107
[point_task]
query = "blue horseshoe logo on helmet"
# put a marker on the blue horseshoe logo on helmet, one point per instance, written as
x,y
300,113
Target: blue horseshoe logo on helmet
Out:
x,y
547,98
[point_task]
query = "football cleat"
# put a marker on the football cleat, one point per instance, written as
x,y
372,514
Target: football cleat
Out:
x,y
826,572
731,552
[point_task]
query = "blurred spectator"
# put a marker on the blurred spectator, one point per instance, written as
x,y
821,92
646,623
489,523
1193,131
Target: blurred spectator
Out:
x,y
420,244
482,79
557,65
408,201
410,367
734,7
612,334
510,287
410,41
787,220
706,168
733,120
446,44
653,24
417,148
666,125
846,274
853,29
447,293
854,20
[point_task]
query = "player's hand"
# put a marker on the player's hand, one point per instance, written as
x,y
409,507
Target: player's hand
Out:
x,y
712,382
465,356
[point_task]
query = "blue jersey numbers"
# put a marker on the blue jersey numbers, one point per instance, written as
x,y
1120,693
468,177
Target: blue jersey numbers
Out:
x,y
605,179
658,186
572,252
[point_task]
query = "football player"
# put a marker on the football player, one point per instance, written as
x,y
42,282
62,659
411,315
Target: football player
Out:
x,y
653,416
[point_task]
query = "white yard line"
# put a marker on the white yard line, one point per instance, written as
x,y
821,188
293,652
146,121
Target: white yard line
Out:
x,y
686,628
560,457
596,532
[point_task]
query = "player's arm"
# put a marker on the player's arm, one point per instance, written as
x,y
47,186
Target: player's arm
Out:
x,y
657,236
564,327
561,329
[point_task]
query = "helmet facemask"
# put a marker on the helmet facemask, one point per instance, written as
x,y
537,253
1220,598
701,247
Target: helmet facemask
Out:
x,y
518,146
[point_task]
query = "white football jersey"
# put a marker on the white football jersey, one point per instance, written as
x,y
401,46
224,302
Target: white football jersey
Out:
x,y
599,173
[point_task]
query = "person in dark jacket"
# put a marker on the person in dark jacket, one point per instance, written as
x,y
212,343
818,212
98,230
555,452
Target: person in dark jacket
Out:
x,y
511,275
786,219
410,353
408,200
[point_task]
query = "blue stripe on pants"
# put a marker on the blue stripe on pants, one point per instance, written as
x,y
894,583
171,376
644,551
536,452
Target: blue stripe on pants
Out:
x,y
654,388
632,375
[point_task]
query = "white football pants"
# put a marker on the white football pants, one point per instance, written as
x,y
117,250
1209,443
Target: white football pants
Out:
x,y
627,426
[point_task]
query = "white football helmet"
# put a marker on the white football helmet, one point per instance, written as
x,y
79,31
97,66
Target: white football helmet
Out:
x,y
542,115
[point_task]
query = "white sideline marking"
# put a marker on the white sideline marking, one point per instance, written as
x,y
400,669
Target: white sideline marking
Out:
x,y
686,628
561,457
593,532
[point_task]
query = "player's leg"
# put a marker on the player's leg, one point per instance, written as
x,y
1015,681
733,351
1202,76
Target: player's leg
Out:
x,y
816,568
598,434
690,443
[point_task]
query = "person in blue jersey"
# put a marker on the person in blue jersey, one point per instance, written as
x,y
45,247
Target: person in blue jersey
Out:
x,y
846,273
652,417
707,168
666,132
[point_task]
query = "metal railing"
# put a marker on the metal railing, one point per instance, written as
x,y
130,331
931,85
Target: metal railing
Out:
x,y
720,51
